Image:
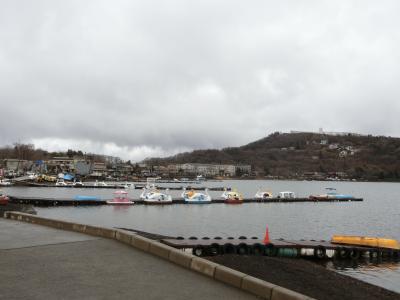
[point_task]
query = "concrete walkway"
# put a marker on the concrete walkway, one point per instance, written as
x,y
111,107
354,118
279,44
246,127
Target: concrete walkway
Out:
x,y
37,262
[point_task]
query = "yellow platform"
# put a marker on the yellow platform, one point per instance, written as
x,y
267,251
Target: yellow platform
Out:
x,y
366,241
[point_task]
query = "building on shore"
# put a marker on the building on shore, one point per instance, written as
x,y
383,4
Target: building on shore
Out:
x,y
208,170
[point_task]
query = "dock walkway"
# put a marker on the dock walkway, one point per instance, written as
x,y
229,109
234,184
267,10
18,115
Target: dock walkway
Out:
x,y
38,262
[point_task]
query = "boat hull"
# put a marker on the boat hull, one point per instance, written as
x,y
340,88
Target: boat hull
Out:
x,y
156,202
120,203
233,201
87,198
3,200
197,202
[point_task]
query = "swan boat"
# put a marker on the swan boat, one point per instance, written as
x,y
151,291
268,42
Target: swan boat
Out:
x,y
194,197
232,197
262,194
153,196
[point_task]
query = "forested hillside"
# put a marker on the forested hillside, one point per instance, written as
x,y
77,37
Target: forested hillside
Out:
x,y
292,155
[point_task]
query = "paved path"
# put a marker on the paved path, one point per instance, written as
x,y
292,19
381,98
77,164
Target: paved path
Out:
x,y
38,262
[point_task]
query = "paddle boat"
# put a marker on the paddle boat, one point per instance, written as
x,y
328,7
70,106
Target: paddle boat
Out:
x,y
128,185
262,194
101,183
3,198
232,197
5,182
120,198
331,194
286,195
154,196
77,183
194,197
61,182
86,198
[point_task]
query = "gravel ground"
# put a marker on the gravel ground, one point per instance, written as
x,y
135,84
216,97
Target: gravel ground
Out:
x,y
305,277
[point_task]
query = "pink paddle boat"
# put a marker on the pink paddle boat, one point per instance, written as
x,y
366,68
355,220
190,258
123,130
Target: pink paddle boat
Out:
x,y
120,198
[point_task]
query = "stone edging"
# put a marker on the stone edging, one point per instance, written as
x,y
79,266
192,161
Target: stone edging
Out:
x,y
221,273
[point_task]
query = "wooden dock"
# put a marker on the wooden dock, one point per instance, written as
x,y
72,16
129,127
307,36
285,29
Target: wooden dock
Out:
x,y
42,201
278,247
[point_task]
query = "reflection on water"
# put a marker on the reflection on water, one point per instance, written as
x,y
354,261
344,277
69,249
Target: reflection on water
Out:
x,y
377,215
370,270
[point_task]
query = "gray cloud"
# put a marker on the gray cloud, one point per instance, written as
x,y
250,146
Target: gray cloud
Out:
x,y
144,78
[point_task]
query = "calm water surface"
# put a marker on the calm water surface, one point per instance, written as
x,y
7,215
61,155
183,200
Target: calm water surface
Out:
x,y
377,215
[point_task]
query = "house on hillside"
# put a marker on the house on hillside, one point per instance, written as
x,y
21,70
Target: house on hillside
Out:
x,y
324,142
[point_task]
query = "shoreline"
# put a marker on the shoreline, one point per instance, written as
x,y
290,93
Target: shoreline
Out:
x,y
306,277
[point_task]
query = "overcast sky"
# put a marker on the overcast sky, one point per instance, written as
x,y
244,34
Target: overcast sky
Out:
x,y
152,78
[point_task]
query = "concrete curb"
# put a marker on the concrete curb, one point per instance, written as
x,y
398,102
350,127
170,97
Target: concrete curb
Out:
x,y
221,273
229,276
203,266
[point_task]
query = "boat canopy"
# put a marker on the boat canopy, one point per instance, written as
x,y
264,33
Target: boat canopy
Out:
x,y
68,177
120,193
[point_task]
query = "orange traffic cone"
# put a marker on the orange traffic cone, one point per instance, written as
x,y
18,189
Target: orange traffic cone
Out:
x,y
266,237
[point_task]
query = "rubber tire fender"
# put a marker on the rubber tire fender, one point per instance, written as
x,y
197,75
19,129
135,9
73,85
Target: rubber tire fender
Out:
x,y
228,248
214,249
257,249
242,249
320,252
354,254
198,251
343,253
270,250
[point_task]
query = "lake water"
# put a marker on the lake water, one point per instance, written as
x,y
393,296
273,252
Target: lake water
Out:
x,y
377,215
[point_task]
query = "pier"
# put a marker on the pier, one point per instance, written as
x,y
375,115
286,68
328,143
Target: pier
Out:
x,y
77,261
41,201
206,246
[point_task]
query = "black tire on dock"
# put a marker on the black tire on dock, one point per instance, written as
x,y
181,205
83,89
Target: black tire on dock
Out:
x,y
373,254
228,248
320,252
257,249
180,238
242,249
242,237
231,238
354,254
270,250
205,238
343,253
218,238
214,249
198,251
193,238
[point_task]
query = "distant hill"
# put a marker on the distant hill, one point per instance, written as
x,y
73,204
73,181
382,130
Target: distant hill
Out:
x,y
293,155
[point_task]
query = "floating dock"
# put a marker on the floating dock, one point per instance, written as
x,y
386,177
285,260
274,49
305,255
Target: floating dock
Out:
x,y
287,248
120,186
41,201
